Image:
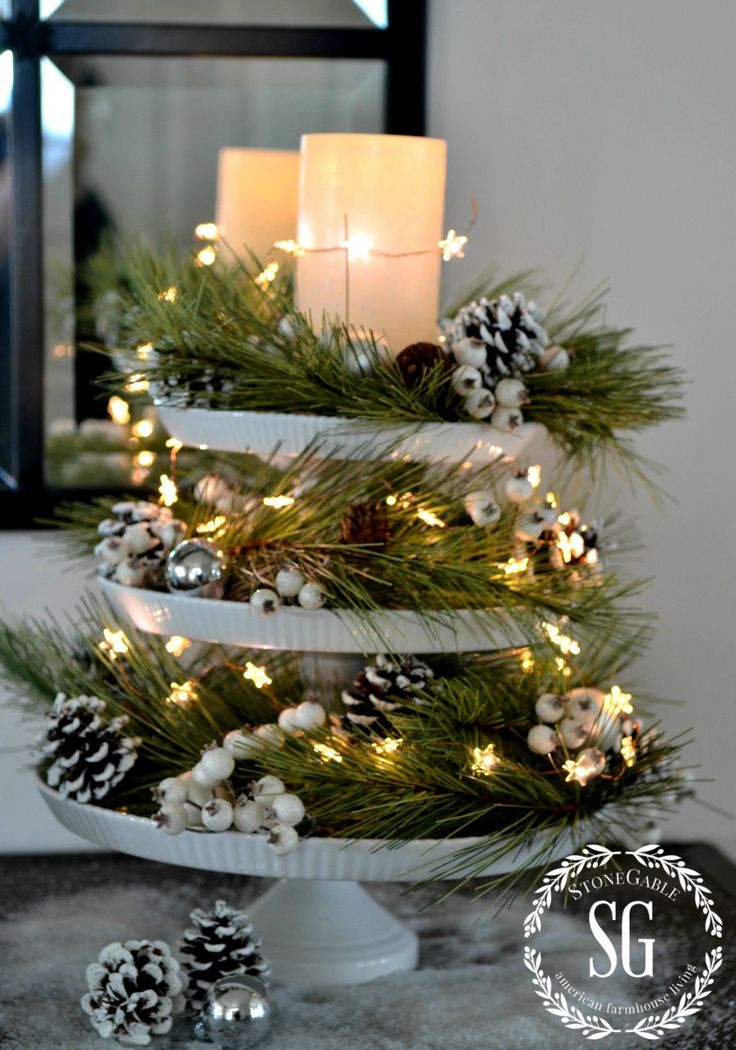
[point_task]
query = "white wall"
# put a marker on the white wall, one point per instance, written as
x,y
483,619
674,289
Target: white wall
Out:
x,y
606,131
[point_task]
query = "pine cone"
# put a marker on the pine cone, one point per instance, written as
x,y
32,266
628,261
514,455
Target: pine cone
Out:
x,y
89,756
219,944
365,522
381,687
134,991
417,360
510,331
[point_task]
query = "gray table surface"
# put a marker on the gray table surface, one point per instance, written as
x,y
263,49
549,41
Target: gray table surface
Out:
x,y
471,991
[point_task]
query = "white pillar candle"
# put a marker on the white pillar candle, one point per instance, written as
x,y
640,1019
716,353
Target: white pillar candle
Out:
x,y
257,194
391,188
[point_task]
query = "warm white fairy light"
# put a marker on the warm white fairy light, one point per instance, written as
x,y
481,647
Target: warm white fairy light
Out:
x,y
256,675
175,445
143,351
526,660
213,528
580,770
617,702
534,475
169,295
327,753
177,645
551,500
137,384
358,247
114,643
388,746
168,492
290,247
562,666
566,644
206,231
628,751
429,518
571,547
144,458
398,499
118,410
514,566
206,256
452,246
278,502
183,694
267,275
484,760
142,429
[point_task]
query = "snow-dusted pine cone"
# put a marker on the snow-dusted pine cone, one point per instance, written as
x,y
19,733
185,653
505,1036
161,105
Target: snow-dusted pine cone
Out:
x,y
135,989
136,542
220,943
500,337
382,687
90,755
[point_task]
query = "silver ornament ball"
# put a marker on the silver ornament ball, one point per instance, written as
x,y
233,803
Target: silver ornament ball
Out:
x,y
237,1013
195,568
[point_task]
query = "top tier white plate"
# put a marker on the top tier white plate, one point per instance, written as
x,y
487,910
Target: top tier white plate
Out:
x,y
264,432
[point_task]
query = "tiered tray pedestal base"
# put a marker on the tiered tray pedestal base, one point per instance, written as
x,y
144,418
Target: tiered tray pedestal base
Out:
x,y
318,925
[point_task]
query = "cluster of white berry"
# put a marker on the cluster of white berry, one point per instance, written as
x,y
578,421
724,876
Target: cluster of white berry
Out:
x,y
136,542
243,744
291,589
201,799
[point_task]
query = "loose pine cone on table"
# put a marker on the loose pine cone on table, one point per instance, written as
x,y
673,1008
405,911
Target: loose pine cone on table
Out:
x,y
90,756
382,687
417,360
506,334
135,989
219,944
365,522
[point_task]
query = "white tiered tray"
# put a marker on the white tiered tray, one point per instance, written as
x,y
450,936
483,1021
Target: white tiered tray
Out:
x,y
318,925
312,630
343,438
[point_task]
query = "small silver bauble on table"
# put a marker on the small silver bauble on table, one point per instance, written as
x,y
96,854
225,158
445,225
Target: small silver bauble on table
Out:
x,y
236,1013
196,568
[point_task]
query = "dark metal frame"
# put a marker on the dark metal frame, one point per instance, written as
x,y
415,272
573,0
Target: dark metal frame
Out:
x,y
402,46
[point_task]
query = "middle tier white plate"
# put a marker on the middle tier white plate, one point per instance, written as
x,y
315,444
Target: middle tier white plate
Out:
x,y
342,438
314,630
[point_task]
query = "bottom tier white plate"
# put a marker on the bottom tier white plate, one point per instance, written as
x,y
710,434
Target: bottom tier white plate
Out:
x,y
318,926
313,630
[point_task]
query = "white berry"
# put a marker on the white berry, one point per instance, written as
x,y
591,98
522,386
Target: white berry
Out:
x,y
469,352
309,715
288,809
217,764
289,582
466,379
264,601
172,819
511,393
555,359
286,720
549,707
574,733
171,790
519,488
267,787
480,404
194,815
311,596
204,779
282,839
542,739
217,815
240,745
482,508
268,733
198,793
528,529
507,418
248,816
